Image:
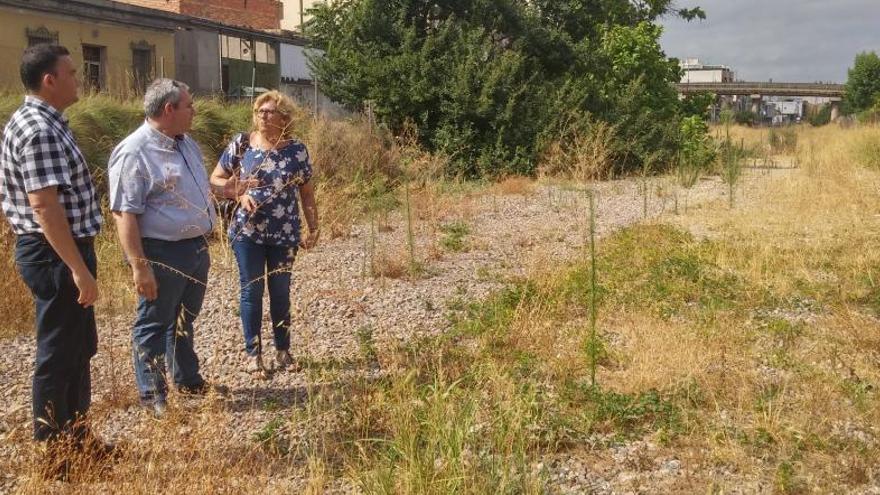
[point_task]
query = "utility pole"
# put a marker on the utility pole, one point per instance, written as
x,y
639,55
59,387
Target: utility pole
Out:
x,y
301,16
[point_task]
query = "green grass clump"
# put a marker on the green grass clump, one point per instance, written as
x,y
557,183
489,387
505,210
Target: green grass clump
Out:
x,y
454,236
657,268
634,414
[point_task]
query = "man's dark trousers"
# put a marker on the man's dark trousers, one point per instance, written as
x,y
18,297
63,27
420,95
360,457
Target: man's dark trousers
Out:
x,y
66,337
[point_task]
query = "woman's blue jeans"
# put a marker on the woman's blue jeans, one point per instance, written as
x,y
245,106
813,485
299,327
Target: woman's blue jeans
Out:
x,y
255,261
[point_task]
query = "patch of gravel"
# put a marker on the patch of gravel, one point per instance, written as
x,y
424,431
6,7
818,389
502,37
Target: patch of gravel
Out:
x,y
335,306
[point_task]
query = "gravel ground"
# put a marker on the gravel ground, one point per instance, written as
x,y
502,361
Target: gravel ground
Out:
x,y
334,303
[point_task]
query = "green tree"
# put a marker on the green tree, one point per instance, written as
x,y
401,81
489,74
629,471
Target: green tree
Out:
x,y
487,82
697,104
863,82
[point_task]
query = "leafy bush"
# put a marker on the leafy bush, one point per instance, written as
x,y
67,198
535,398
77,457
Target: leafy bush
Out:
x,y
492,84
820,117
745,117
697,148
872,115
697,104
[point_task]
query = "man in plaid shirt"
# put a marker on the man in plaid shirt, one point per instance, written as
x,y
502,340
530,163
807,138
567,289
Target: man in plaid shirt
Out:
x,y
49,200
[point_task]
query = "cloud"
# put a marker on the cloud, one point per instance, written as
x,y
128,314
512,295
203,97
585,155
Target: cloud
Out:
x,y
783,40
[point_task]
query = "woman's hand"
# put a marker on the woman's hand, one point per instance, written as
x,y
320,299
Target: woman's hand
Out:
x,y
234,187
311,239
248,203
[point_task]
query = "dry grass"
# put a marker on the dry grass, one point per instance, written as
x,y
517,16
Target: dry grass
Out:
x,y
514,185
188,452
16,306
800,366
581,154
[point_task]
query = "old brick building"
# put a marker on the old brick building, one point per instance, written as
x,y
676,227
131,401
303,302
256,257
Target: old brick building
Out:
x,y
256,14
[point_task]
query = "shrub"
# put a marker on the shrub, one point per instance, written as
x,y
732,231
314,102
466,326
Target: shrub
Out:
x,y
583,153
696,146
745,117
490,84
820,117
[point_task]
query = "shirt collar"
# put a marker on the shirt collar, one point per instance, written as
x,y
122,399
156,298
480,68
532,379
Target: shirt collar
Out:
x,y
161,139
36,102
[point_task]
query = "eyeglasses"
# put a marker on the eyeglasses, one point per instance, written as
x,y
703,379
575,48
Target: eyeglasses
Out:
x,y
267,111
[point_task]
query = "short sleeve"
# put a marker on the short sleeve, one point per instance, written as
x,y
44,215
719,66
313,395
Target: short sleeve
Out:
x,y
44,162
129,183
230,154
305,163
226,159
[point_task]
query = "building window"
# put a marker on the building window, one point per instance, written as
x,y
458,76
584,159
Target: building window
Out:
x,y
260,52
264,53
142,67
247,51
234,51
93,67
41,35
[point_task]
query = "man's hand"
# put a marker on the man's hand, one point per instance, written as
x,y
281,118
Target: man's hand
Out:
x,y
145,281
88,287
311,239
248,203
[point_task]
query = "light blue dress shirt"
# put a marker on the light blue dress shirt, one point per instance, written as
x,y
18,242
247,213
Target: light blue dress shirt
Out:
x,y
163,181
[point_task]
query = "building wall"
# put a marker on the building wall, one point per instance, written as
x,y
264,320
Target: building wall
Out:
x,y
114,40
705,76
198,60
291,19
257,14
304,95
167,5
294,64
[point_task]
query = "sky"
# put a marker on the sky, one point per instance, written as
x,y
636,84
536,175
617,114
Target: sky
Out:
x,y
782,40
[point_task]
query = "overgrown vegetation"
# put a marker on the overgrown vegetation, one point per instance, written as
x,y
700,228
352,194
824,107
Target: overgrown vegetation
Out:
x,y
492,84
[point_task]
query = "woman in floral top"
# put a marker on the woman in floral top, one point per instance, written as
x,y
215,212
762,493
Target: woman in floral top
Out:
x,y
272,170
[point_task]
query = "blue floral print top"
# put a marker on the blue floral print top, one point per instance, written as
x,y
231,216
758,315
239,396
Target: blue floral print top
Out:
x,y
280,173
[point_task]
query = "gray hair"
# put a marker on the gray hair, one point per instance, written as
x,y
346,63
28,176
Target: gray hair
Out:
x,y
161,92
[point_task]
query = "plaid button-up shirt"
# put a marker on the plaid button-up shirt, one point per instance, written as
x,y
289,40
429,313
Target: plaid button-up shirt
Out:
x,y
38,151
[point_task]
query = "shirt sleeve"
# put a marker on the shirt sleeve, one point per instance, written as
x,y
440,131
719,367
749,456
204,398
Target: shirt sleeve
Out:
x,y
226,160
305,161
44,162
129,183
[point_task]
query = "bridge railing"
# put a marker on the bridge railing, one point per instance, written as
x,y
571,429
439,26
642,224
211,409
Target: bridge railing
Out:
x,y
765,88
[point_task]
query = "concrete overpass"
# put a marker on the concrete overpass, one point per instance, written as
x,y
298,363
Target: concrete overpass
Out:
x,y
764,89
758,90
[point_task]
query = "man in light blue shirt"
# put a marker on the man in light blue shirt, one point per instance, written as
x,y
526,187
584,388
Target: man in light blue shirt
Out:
x,y
161,201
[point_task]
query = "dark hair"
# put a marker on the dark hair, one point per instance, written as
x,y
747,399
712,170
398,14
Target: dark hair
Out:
x,y
39,60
